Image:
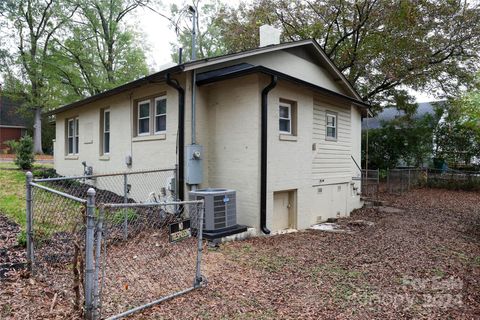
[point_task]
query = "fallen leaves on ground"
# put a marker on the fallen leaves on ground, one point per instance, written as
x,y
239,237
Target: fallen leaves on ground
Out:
x,y
423,262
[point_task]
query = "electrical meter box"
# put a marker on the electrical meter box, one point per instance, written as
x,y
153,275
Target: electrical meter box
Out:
x,y
194,161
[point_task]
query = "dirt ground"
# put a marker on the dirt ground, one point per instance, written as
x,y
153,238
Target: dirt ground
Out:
x,y
422,261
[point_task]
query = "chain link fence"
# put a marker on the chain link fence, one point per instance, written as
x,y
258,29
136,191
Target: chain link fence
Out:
x,y
370,183
157,259
112,244
454,179
56,242
403,180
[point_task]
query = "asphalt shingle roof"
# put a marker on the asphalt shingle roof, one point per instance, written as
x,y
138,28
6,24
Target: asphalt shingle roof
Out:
x,y
391,113
9,115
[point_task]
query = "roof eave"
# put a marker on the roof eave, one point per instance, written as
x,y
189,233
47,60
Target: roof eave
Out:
x,y
261,69
155,77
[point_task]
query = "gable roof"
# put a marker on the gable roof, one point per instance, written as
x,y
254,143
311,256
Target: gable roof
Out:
x,y
391,113
9,113
311,45
246,68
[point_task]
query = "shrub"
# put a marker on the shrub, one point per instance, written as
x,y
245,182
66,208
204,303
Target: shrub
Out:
x,y
119,216
24,156
22,239
45,173
12,145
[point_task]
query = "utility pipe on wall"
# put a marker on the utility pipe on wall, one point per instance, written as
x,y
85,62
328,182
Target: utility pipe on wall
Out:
x,y
181,134
263,155
192,10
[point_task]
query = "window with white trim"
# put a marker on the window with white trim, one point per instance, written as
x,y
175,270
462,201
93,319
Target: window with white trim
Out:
x,y
331,126
143,116
285,118
106,132
72,136
160,114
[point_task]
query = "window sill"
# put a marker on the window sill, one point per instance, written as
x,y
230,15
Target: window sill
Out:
x,y
104,157
287,137
71,157
330,139
162,136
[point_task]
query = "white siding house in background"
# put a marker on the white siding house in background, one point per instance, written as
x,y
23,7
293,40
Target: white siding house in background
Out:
x,y
278,124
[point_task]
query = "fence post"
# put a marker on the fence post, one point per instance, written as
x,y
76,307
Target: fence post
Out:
x,y
29,227
388,179
408,180
98,257
198,272
176,182
89,243
125,211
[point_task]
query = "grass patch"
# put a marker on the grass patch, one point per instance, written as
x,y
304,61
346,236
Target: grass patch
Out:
x,y
476,261
119,217
438,272
12,193
271,263
249,256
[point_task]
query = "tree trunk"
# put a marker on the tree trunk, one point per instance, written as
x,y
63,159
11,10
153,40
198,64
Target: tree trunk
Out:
x,y
37,132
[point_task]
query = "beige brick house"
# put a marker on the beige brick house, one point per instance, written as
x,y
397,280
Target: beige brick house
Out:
x,y
279,124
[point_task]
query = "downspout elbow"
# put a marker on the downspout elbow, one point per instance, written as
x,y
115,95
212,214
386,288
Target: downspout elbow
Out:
x,y
263,155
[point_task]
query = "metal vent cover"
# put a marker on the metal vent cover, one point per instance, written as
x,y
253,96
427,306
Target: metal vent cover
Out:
x,y
220,207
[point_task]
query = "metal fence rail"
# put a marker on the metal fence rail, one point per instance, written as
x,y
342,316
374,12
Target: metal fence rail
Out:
x,y
442,177
132,186
403,180
113,243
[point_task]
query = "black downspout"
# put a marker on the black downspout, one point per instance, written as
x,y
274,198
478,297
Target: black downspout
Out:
x,y
263,156
181,134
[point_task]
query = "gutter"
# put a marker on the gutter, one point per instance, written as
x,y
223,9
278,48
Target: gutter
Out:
x,y
181,134
263,155
241,70
153,78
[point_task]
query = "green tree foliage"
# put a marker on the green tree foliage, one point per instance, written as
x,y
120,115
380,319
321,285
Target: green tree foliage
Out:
x,y
30,27
382,46
100,51
457,138
24,156
56,52
407,139
209,38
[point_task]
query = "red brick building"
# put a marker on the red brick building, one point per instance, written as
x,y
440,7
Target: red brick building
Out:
x,y
12,125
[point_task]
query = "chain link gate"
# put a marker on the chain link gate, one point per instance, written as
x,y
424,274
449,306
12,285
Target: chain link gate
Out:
x,y
113,243
157,258
55,237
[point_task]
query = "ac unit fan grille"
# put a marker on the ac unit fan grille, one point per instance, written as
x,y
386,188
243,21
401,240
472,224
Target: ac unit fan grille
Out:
x,y
219,212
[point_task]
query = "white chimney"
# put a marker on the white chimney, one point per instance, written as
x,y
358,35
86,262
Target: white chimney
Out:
x,y
269,35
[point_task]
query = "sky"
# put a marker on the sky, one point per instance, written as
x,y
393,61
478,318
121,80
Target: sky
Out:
x,y
159,36
158,33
